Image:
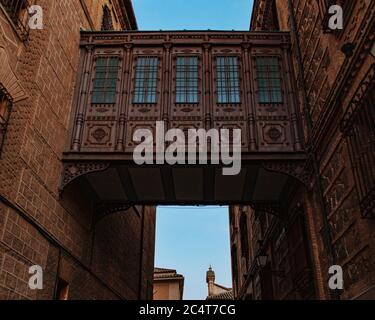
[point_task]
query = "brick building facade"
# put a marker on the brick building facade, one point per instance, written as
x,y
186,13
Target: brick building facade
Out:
x,y
83,256
327,222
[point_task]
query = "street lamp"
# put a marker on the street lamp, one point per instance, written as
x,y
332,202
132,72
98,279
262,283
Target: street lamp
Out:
x,y
262,260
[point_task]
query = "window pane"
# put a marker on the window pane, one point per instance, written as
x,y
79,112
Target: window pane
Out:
x,y
187,80
105,82
269,80
145,84
228,87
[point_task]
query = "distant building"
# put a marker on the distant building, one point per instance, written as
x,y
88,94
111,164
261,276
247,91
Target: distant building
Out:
x,y
168,284
216,291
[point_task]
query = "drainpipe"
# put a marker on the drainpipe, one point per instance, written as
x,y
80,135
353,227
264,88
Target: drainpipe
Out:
x,y
316,172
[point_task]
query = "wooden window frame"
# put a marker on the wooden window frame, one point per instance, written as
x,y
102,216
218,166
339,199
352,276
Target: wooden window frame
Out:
x,y
143,92
227,84
270,89
190,83
105,93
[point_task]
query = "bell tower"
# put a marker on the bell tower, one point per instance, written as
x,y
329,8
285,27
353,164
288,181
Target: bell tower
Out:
x,y
210,279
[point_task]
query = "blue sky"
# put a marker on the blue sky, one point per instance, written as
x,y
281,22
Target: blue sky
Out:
x,y
193,14
190,239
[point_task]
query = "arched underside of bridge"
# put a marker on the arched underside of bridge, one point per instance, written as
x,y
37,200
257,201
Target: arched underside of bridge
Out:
x,y
116,185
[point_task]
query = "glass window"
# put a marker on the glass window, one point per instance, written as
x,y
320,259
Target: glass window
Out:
x,y
187,80
228,84
269,80
145,87
105,82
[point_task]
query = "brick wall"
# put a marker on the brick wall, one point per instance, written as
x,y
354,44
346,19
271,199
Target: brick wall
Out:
x,y
329,79
330,88
37,226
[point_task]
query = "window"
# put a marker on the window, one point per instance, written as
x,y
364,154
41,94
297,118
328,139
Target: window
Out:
x,y
187,80
269,80
16,10
105,81
62,290
107,19
5,108
228,84
146,80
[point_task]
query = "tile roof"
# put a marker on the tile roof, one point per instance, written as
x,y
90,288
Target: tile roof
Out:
x,y
222,296
163,274
162,270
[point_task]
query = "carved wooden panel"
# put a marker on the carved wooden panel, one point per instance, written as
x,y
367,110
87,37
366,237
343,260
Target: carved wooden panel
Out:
x,y
237,124
273,121
109,127
131,127
101,120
